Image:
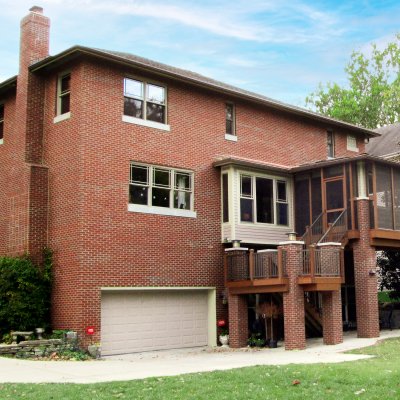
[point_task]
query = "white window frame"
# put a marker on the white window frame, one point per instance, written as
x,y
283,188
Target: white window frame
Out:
x,y
330,134
2,122
172,187
352,143
144,98
253,197
62,116
231,136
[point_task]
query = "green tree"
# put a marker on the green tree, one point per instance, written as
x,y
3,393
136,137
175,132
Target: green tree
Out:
x,y
25,290
389,263
372,96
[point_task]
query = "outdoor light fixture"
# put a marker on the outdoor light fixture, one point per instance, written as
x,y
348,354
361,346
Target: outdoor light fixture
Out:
x,y
236,243
292,236
372,272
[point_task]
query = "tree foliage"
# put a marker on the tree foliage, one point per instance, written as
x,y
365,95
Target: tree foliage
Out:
x,y
372,98
389,263
25,291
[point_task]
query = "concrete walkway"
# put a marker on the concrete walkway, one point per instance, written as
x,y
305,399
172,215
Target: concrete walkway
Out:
x,y
176,362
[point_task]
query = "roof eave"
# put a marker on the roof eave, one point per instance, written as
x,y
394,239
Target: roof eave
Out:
x,y
8,85
76,50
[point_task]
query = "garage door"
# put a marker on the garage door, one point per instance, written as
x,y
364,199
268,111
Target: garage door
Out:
x,y
153,320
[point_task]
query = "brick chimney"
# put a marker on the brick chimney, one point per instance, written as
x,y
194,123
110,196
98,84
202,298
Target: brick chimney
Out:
x,y
28,193
34,43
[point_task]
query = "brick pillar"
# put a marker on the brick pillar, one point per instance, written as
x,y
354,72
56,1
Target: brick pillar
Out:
x,y
293,300
332,323
366,284
238,317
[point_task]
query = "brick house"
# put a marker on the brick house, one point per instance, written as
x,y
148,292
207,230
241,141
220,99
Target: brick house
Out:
x,y
170,201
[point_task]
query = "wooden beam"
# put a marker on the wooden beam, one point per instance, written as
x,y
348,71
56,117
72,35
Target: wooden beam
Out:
x,y
259,289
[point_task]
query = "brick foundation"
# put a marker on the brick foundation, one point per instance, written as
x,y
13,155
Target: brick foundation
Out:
x,y
293,300
366,283
238,317
332,317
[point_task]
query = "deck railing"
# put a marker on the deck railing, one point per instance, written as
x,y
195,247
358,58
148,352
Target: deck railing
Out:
x,y
322,262
337,230
314,232
241,264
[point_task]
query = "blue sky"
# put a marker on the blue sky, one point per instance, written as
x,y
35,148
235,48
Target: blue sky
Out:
x,y
281,49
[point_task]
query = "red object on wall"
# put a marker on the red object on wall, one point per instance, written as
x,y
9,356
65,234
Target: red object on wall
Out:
x,y
90,330
221,323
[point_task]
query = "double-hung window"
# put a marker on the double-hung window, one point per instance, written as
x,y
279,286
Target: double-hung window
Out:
x,y
330,143
63,94
160,190
1,123
144,100
263,200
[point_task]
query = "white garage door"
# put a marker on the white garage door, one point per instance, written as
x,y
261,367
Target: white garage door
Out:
x,y
153,320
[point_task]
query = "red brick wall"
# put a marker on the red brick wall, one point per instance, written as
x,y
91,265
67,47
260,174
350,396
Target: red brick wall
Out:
x,y
238,321
96,241
366,285
332,317
293,300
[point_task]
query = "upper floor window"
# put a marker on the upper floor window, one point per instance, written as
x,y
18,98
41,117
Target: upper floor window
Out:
x,y
352,143
144,100
225,198
63,94
230,119
263,200
158,187
330,142
1,123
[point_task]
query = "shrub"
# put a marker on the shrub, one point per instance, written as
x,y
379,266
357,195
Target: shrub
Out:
x,y
25,291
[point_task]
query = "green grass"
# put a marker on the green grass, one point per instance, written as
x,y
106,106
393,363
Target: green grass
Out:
x,y
377,378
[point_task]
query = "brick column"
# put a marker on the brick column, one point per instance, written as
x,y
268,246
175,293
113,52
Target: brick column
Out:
x,y
293,300
332,323
238,317
366,284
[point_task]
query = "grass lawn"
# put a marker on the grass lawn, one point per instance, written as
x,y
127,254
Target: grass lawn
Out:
x,y
377,378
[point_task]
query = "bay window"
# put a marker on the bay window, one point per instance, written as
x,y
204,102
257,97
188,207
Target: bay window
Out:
x,y
263,200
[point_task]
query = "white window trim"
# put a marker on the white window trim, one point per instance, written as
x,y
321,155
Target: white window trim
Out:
x,y
232,138
176,212
58,105
349,146
275,180
148,123
62,117
1,141
145,122
149,209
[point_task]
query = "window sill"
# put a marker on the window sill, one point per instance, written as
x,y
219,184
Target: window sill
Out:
x,y
175,212
355,149
232,138
143,122
61,117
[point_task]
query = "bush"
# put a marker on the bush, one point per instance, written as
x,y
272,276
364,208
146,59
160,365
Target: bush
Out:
x,y
25,291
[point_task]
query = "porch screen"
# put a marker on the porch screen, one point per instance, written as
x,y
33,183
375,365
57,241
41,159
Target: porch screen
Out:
x,y
384,197
396,189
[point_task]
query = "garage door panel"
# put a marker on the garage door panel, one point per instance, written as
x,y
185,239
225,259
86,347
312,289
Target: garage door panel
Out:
x,y
155,320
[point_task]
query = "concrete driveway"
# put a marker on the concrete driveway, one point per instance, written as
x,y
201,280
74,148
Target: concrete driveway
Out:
x,y
176,362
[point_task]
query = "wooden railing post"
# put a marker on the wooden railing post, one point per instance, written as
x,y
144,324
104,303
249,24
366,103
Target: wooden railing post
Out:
x,y
312,261
251,264
280,263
